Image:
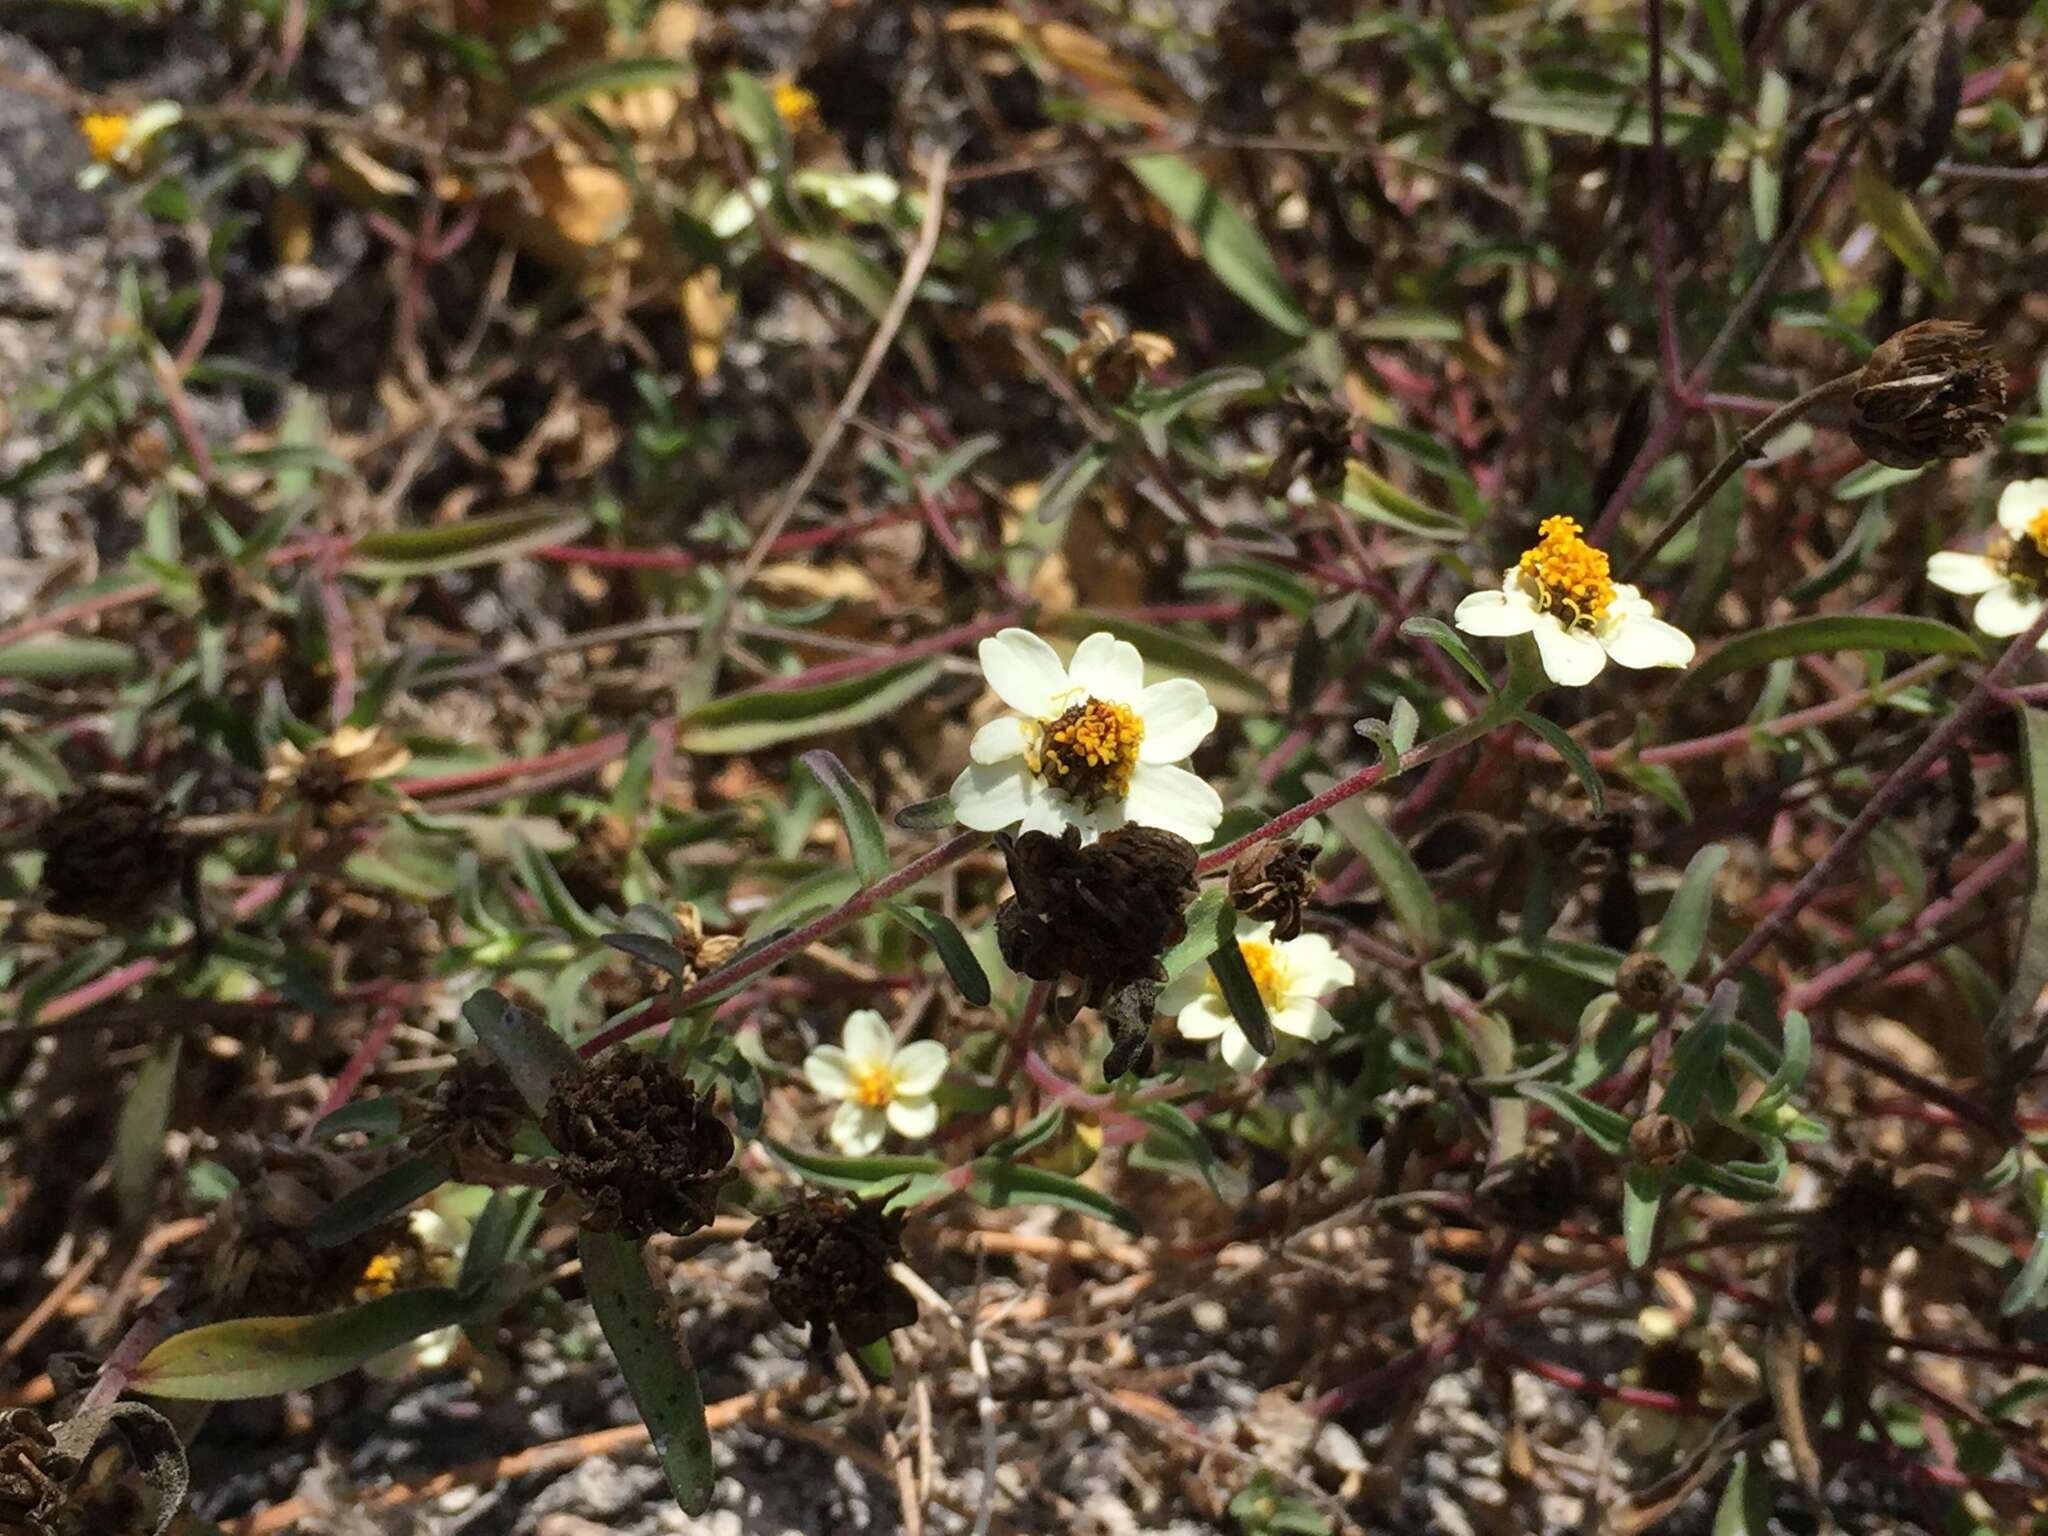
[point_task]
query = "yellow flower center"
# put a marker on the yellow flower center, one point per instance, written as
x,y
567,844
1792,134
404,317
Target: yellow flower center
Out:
x,y
1263,962
794,105
1568,573
1090,752
104,132
874,1085
379,1277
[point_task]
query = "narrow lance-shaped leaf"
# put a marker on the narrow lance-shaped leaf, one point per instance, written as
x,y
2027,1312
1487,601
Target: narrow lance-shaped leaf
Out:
x,y
1641,1195
1234,979
864,832
377,1199
1697,1054
263,1356
952,947
1683,932
532,1055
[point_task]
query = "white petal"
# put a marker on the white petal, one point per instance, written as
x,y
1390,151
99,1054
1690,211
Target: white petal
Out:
x,y
1641,641
1177,715
1571,657
1025,672
1255,933
918,1067
1000,740
1107,668
867,1038
1313,960
1173,800
1182,990
1953,570
828,1070
1496,613
913,1117
1205,1018
991,796
2004,611
1238,1051
2020,503
857,1129
1049,813
1296,1017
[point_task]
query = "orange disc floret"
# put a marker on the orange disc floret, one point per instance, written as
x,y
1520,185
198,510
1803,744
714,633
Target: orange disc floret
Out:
x,y
1568,572
1090,751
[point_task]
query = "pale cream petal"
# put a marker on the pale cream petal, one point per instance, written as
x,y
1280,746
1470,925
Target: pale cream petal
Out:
x,y
1641,641
1296,1017
1107,668
1205,1018
868,1038
1238,1052
1955,570
857,1129
1256,933
829,1071
2020,503
2004,611
1182,989
1025,673
1000,740
1047,812
913,1117
1571,657
991,796
1177,716
918,1067
1316,966
1174,800
1502,613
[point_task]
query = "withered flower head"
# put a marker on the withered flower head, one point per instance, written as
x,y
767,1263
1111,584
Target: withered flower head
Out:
x,y
1111,362
832,1260
1530,1192
255,1259
1271,880
333,785
34,1474
1103,913
1931,391
1643,981
705,952
641,1148
109,853
1659,1141
1315,442
471,1109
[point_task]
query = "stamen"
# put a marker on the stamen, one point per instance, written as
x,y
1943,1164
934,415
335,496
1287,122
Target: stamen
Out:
x,y
1090,752
874,1087
1568,573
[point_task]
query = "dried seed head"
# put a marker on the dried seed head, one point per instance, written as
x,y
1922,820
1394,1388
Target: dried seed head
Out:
x,y
1659,1141
832,1261
34,1475
334,784
1643,982
1315,443
1271,881
470,1110
1103,913
1531,1192
1931,391
255,1259
638,1145
1111,362
109,853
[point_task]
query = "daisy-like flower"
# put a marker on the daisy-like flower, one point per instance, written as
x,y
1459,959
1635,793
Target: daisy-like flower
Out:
x,y
1090,746
104,134
2010,579
1293,977
1561,592
883,1087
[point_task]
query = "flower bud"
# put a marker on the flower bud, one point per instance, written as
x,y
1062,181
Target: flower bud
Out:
x,y
1644,982
1928,392
1659,1141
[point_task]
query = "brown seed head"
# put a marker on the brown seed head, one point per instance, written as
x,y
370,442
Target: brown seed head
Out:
x,y
1659,1141
109,853
1270,882
1112,363
1643,982
1931,391
1315,442
644,1152
255,1259
472,1109
832,1261
334,784
1103,913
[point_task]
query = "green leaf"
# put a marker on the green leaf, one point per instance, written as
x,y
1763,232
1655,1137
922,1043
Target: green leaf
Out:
x,y
1169,653
865,1176
938,929
399,552
610,77
1607,1129
1899,225
878,1360
1377,499
1256,580
654,1359
1827,633
1625,119
59,658
501,1231
139,1137
1642,1192
1247,1006
378,1118
532,1055
1792,1065
1400,881
1682,933
1228,240
1747,1502
1697,1054
544,884
998,1183
752,106
264,1356
864,832
766,717
1447,639
845,266
927,815
1736,1185
2014,1046
811,895
1560,741
1060,490
1727,41
379,1198
1211,922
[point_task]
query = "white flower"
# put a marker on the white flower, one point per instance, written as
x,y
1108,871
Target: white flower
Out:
x,y
1561,593
2010,580
1292,975
1090,745
884,1087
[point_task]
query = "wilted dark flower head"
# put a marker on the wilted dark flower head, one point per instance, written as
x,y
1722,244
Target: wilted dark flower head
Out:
x,y
1270,882
33,1474
471,1109
1112,362
1104,913
1315,442
1928,392
109,853
832,1259
1532,1191
641,1148
255,1258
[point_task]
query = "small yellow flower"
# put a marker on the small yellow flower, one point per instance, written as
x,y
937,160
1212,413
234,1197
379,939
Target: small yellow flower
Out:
x,y
797,107
1293,977
881,1086
104,132
2010,580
